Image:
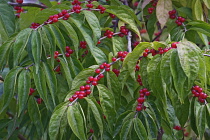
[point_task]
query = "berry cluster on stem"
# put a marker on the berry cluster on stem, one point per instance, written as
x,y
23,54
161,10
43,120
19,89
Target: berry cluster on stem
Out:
x,y
179,20
31,91
198,92
154,4
142,93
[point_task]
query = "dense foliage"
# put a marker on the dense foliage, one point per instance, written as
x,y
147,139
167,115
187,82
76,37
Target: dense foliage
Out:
x,y
121,70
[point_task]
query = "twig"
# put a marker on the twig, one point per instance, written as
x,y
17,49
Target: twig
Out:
x,y
115,25
207,55
91,137
21,137
129,42
1,78
28,4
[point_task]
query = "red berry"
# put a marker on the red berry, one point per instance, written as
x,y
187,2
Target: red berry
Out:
x,y
147,93
172,16
91,131
141,100
70,51
97,71
101,66
71,99
39,100
82,88
74,96
80,96
88,82
199,90
32,90
201,100
173,45
101,75
107,69
55,20
145,54
138,108
94,83
90,78
88,92
67,54
64,12
19,1
203,95
114,59
141,95
177,127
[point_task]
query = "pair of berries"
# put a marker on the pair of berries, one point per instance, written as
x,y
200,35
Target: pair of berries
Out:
x,y
116,71
120,55
102,9
135,43
198,92
69,51
34,25
139,80
83,44
142,93
108,33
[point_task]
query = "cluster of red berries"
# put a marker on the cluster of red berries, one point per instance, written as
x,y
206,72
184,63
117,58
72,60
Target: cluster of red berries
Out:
x,y
160,50
103,66
76,8
123,31
31,91
139,80
34,25
120,55
142,93
89,5
63,14
83,44
135,43
198,92
179,21
116,71
76,2
69,51
108,33
177,127
112,15
102,9
143,31
18,9
154,4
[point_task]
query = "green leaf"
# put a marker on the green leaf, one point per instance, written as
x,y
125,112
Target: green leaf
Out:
x,y
36,45
207,3
130,60
122,118
200,26
52,41
43,15
151,25
179,76
192,116
140,129
115,86
51,80
197,10
8,17
107,103
201,121
4,49
66,71
46,2
162,9
94,24
98,55
176,34
95,108
40,83
73,35
26,18
189,59
24,83
117,44
35,116
124,14
59,39
9,86
20,44
56,120
126,128
81,78
76,122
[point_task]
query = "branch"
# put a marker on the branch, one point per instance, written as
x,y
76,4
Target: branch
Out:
x,y
159,34
21,137
129,42
1,78
28,4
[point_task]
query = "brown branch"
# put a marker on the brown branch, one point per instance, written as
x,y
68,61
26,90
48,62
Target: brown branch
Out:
x,y
28,4
21,137
1,78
